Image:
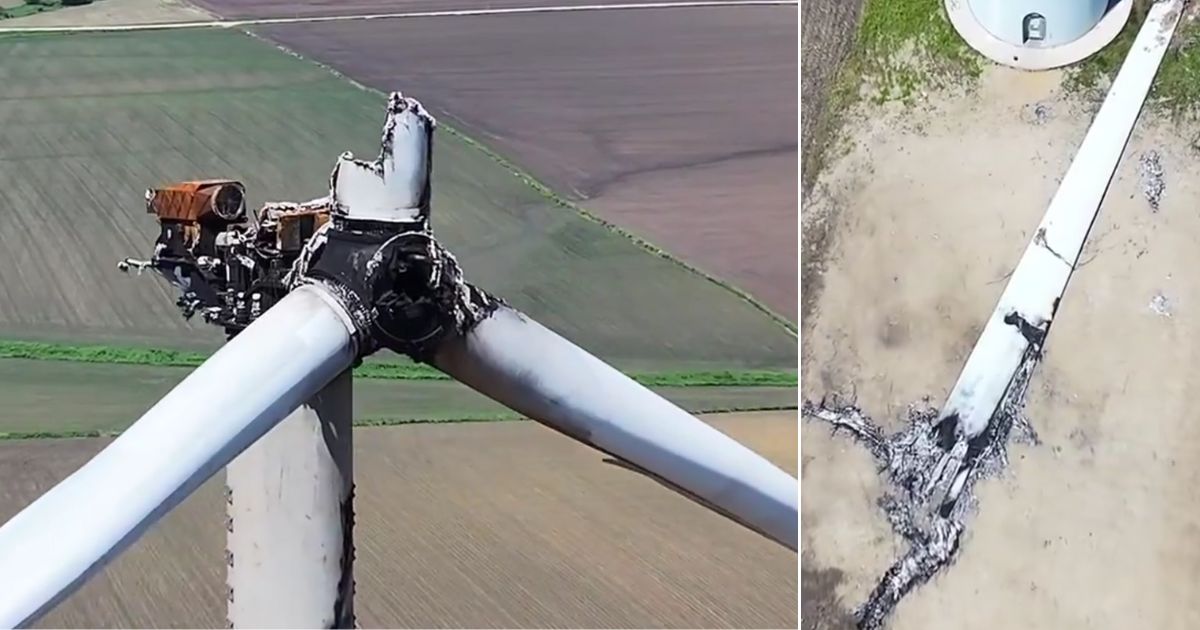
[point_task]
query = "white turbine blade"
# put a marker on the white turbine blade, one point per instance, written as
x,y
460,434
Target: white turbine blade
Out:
x,y
395,187
1031,297
236,396
534,371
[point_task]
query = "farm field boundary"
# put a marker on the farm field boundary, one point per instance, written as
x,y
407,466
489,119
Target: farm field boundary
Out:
x,y
389,370
241,23
381,421
563,539
93,119
49,398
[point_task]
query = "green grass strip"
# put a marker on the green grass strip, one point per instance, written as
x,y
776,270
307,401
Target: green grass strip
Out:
x,y
365,422
162,357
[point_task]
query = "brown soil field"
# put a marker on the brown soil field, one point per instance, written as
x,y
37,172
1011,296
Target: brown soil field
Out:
x,y
314,8
91,120
829,28
1091,527
827,33
678,124
479,525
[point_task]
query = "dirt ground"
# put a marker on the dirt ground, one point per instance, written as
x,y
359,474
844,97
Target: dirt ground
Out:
x,y
828,31
109,12
931,209
466,526
679,125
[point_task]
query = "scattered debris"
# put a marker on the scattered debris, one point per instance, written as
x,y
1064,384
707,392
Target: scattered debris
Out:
x,y
1161,305
910,463
1151,182
1037,113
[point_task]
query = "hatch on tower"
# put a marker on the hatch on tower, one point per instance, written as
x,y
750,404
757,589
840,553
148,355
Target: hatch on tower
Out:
x,y
1038,34
1034,28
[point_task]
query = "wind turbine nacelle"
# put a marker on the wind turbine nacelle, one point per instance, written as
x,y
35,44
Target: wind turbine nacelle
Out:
x,y
227,268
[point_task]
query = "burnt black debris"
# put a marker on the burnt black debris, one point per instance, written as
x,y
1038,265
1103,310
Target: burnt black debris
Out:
x,y
1035,335
1151,179
404,288
917,500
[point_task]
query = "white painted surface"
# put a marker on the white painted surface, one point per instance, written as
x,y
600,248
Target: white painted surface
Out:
x,y
534,371
699,4
237,395
1065,20
1050,54
1040,277
286,537
394,187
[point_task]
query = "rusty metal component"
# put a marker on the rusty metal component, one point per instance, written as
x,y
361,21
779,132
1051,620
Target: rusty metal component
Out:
x,y
192,202
228,267
292,223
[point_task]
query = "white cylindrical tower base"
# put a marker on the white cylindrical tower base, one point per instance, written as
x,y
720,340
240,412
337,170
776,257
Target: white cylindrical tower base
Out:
x,y
291,517
1037,34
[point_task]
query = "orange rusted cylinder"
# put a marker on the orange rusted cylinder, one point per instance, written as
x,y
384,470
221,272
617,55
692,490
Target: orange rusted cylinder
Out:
x,y
194,201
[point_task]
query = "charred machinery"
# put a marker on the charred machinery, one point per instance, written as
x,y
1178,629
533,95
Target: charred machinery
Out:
x,y
404,290
229,266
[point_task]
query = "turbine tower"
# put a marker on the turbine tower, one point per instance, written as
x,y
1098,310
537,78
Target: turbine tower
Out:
x,y
1038,34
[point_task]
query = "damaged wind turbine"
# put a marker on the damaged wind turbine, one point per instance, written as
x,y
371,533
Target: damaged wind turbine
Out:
x,y
304,291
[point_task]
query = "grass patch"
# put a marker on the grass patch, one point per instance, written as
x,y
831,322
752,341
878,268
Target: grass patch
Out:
x,y
397,370
57,396
904,48
33,7
1176,88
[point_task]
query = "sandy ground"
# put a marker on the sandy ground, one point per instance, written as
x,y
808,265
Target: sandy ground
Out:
x,y
466,526
827,32
931,209
109,12
678,125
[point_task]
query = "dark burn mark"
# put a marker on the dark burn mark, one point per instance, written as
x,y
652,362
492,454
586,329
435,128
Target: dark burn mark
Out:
x,y
917,501
343,605
947,431
820,606
1039,238
1033,334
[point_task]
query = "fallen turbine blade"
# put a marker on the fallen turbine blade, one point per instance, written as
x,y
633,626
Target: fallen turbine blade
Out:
x,y
534,371
284,358
1027,306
